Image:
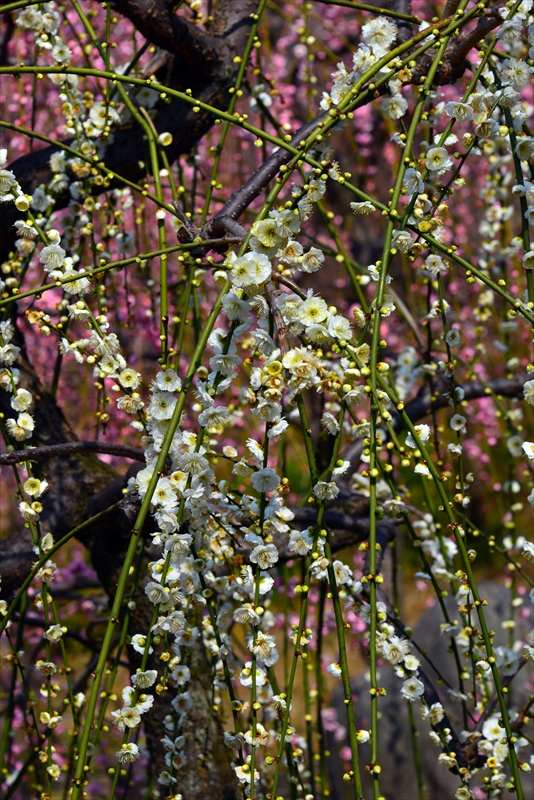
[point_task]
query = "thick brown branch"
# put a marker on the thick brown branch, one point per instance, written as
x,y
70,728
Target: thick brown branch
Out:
x,y
155,20
424,403
41,453
403,26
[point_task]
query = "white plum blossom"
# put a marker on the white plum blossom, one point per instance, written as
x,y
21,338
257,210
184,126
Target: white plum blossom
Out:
x,y
167,381
438,161
395,649
300,542
412,689
516,73
525,148
402,240
265,555
138,642
364,208
461,111
325,490
128,753
245,677
342,572
395,106
458,423
162,405
453,337
413,181
52,257
379,33
491,729
265,480
422,469
435,265
313,310
156,593
528,392
527,551
143,680
334,670
53,633
423,432
252,269
311,261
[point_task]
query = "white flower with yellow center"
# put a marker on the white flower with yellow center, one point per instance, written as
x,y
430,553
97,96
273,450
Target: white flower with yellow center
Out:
x,y
422,431
394,107
412,689
460,111
527,551
528,392
438,161
53,633
287,222
413,181
245,678
213,417
491,730
300,542
266,232
435,265
143,680
313,310
311,261
334,670
363,59
128,753
162,405
129,378
34,487
22,400
362,209
325,490
516,73
291,253
402,240
379,34
265,555
52,257
261,739
156,593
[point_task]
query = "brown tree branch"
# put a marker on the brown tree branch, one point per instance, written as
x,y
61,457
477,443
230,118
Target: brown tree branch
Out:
x,y
403,26
42,453
425,403
156,21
